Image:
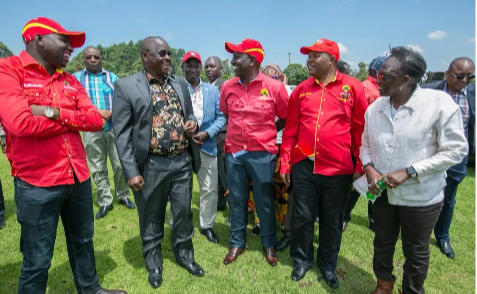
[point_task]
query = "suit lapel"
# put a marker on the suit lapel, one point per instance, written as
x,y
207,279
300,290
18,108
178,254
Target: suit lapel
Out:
x,y
471,97
143,87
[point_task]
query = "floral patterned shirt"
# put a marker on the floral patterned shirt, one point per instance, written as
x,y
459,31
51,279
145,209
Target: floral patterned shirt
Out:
x,y
168,134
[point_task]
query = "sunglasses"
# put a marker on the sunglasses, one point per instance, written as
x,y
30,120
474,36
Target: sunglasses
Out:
x,y
161,53
463,76
386,77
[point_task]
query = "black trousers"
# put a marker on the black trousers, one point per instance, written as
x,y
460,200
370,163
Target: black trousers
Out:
x,y
2,206
313,193
223,185
353,198
163,177
416,224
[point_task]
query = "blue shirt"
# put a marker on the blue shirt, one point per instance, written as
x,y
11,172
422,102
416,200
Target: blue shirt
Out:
x,y
100,89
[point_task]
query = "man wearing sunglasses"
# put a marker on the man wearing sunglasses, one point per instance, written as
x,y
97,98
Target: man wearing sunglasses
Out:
x,y
459,86
153,126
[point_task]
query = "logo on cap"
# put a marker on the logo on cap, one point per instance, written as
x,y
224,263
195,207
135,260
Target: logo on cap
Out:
x,y
319,41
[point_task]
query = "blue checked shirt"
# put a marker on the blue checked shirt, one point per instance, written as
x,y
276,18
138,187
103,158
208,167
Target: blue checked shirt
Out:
x,y
461,99
100,89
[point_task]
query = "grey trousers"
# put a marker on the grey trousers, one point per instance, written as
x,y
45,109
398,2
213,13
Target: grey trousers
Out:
x,y
163,177
98,146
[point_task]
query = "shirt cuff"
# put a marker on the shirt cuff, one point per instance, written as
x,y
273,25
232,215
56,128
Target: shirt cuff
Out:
x,y
66,116
284,168
359,167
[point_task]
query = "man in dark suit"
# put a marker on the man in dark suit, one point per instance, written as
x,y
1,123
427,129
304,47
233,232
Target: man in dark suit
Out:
x,y
459,76
154,124
213,70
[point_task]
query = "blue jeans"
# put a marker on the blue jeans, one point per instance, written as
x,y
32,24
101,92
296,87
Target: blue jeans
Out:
x,y
441,229
38,210
257,167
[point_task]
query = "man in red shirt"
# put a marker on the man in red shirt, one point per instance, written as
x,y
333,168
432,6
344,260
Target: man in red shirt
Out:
x,y
325,120
43,110
250,101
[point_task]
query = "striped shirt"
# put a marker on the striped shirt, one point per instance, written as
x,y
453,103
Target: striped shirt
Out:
x,y
100,89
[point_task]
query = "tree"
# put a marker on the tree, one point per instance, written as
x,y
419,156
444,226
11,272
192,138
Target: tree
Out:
x,y
362,73
4,51
227,70
296,73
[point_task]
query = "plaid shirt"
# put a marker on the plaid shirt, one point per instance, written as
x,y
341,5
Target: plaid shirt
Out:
x,y
100,89
461,99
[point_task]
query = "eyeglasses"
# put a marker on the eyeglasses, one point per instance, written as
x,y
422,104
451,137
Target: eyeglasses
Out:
x,y
161,53
462,76
386,77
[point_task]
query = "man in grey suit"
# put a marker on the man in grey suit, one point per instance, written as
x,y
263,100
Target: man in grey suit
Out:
x,y
153,125
213,70
458,85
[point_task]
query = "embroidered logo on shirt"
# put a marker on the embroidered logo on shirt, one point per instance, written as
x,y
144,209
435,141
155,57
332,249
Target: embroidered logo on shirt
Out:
x,y
264,94
28,85
345,93
67,86
304,94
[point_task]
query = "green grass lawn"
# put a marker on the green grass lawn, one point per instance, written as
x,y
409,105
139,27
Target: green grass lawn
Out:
x,y
120,265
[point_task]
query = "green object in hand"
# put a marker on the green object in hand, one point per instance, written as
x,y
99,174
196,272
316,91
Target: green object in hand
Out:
x,y
373,197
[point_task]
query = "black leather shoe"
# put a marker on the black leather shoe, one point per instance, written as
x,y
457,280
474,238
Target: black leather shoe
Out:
x,y
155,277
194,269
446,248
210,235
330,278
127,202
345,225
283,243
103,211
106,291
298,273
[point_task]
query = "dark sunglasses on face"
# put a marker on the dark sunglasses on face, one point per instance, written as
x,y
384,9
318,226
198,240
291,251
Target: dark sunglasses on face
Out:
x,y
162,52
462,76
386,77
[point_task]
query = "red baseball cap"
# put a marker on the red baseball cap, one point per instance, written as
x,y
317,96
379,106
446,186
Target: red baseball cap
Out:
x,y
191,54
45,26
249,46
323,45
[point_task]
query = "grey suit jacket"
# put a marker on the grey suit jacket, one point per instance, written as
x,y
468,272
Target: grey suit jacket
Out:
x,y
219,82
132,121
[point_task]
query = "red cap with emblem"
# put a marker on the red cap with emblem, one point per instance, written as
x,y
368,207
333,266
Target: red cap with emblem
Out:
x,y
323,45
191,54
45,26
249,46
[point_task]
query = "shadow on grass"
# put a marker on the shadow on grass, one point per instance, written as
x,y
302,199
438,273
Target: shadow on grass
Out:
x,y
10,208
9,281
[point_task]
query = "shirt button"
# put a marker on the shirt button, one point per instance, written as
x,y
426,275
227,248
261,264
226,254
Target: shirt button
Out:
x,y
317,140
66,139
36,94
66,120
389,158
318,125
322,113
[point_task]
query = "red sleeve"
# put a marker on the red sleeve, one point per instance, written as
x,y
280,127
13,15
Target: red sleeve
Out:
x,y
281,106
15,113
357,124
223,100
86,117
290,133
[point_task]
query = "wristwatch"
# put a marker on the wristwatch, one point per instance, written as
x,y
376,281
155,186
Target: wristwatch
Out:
x,y
49,113
369,163
411,172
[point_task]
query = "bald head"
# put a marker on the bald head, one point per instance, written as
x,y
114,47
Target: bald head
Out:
x,y
156,56
213,68
461,61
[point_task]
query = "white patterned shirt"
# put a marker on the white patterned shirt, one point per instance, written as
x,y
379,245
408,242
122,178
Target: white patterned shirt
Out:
x,y
426,133
197,102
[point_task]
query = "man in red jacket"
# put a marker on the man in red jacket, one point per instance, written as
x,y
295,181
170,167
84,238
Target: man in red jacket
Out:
x,y
43,110
325,120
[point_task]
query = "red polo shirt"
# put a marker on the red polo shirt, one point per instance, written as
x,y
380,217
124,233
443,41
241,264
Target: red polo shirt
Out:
x,y
325,122
41,151
251,113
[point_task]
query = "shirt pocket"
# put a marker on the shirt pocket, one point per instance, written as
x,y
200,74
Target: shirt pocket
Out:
x,y
69,99
37,97
107,89
264,110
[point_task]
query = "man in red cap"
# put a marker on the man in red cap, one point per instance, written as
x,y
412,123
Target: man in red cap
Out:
x,y
43,110
325,120
210,120
251,101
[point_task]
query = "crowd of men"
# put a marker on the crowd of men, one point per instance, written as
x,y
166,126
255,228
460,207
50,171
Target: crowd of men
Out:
x,y
159,129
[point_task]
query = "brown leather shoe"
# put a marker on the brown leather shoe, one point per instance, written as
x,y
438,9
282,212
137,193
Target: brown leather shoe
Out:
x,y
106,291
270,256
234,252
384,287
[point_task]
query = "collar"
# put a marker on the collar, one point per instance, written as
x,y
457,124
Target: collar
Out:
x,y
196,88
27,60
338,77
463,91
101,72
258,78
411,103
152,79
372,80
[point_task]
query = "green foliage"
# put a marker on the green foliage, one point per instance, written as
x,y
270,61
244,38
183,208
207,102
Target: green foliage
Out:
x,y
4,51
362,73
296,73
